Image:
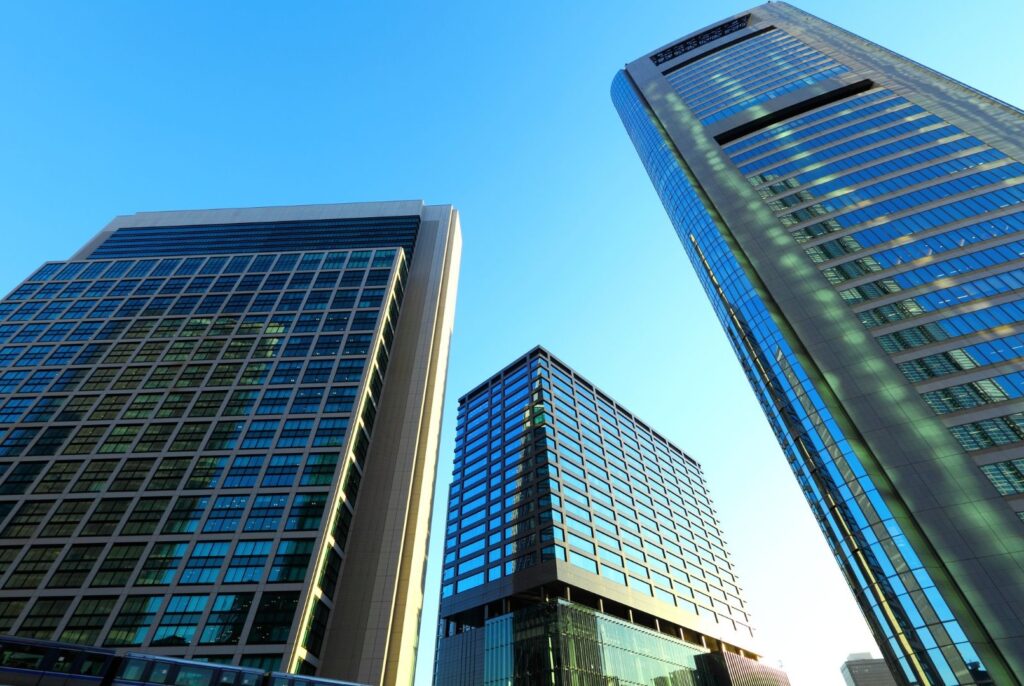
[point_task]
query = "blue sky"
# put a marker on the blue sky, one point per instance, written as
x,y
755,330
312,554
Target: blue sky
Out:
x,y
501,109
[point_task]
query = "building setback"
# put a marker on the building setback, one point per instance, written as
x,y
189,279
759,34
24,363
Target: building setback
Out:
x,y
218,426
855,219
582,546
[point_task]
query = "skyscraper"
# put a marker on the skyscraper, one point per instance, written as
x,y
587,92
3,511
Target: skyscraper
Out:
x,y
582,547
219,435
854,218
860,669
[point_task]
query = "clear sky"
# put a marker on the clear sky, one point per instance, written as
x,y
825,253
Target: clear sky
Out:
x,y
501,109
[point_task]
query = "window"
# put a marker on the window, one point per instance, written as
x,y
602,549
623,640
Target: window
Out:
x,y
133,621
162,563
274,401
193,376
226,513
307,400
286,373
207,472
154,438
205,562
295,433
306,512
224,375
168,473
146,516
244,471
85,440
116,569
319,470
142,406
27,519
208,403
331,433
291,563
190,436
225,435
274,617
241,403
266,513
33,567
44,617
120,439
281,471
66,518
105,517
94,476
260,434
57,478
227,618
185,515
87,620
132,475
21,477
357,344
75,567
318,371
248,562
51,440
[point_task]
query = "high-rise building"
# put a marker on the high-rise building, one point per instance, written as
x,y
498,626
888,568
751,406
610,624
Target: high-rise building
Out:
x,y
855,219
219,432
860,669
582,547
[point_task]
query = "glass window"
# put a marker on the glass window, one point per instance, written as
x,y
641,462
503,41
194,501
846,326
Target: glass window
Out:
x,y
185,515
105,517
162,563
32,568
146,516
180,620
88,620
281,471
226,513
133,621
44,617
267,513
66,518
227,618
274,617
204,564
291,563
116,569
247,562
306,512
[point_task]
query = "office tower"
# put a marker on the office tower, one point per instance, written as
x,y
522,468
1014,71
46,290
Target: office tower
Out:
x,y
860,669
854,218
220,436
582,547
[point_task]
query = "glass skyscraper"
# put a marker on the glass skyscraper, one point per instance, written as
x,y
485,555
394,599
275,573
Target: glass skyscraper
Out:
x,y
582,547
218,436
855,219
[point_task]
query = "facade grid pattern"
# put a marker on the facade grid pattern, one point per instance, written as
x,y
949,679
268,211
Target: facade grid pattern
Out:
x,y
892,583
190,431
549,468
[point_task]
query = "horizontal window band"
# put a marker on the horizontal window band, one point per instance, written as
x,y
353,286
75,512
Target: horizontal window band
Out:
x,y
791,111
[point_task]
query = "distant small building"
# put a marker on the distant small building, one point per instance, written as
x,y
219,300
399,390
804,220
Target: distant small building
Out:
x,y
860,669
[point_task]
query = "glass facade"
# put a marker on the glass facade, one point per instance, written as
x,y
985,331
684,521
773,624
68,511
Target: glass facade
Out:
x,y
193,409
562,643
914,223
560,491
176,426
549,468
